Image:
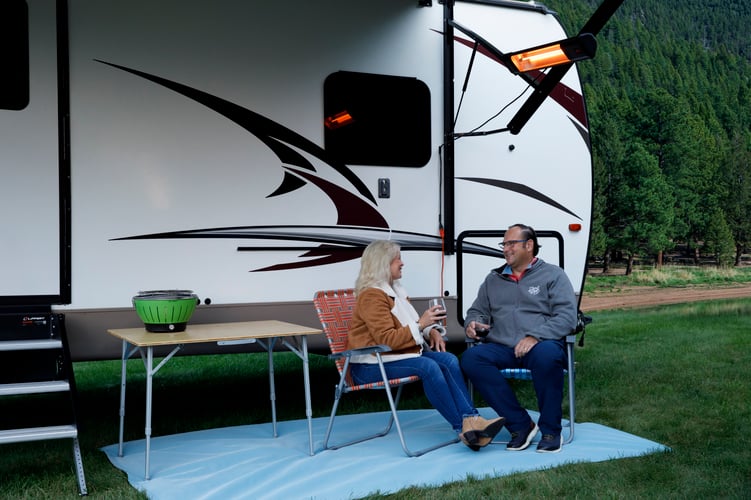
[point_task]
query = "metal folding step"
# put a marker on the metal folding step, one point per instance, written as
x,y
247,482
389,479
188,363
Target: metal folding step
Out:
x,y
37,361
38,433
34,387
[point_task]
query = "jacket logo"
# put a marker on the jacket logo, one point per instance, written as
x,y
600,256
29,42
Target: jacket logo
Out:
x,y
534,290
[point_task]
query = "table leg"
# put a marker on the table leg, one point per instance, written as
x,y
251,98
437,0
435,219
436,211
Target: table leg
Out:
x,y
306,378
272,385
122,398
149,379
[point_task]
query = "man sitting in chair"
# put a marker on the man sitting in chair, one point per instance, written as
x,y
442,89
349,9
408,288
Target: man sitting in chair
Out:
x,y
530,306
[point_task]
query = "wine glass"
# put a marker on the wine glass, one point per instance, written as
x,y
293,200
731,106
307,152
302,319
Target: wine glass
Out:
x,y
442,307
482,326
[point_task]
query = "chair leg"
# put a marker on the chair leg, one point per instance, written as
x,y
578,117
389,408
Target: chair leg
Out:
x,y
571,403
381,433
571,393
395,418
340,389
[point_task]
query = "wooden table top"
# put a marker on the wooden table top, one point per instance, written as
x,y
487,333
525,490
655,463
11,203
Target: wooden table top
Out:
x,y
214,332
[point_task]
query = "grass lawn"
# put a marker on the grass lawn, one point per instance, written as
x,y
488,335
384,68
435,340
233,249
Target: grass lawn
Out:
x,y
679,375
668,276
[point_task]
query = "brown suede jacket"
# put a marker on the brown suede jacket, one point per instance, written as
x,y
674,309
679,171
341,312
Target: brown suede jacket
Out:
x,y
374,324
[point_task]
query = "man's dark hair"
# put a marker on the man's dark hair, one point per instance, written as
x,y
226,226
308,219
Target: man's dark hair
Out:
x,y
529,234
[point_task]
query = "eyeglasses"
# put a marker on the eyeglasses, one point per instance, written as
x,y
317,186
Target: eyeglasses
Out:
x,y
508,243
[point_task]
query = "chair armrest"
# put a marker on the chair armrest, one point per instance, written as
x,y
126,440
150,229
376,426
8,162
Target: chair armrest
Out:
x,y
570,339
361,351
582,320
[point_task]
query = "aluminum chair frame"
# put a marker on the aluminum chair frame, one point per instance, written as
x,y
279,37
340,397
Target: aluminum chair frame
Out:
x,y
344,299
569,372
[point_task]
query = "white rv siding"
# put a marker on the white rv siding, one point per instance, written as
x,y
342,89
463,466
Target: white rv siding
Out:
x,y
157,175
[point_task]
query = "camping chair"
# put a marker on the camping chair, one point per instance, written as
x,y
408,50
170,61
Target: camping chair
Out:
x,y
334,308
569,372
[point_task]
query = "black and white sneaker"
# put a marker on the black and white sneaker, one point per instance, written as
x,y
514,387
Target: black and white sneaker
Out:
x,y
550,444
520,440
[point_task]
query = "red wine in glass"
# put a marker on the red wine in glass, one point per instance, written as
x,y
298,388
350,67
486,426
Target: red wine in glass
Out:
x,y
482,331
442,307
481,326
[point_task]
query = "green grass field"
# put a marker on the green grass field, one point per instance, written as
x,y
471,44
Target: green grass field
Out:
x,y
679,375
668,276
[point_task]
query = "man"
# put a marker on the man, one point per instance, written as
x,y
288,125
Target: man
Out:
x,y
532,307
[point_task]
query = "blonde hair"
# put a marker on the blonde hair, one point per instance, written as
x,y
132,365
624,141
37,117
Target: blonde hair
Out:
x,y
375,265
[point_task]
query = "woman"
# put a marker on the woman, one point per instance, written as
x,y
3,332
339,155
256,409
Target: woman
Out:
x,y
384,315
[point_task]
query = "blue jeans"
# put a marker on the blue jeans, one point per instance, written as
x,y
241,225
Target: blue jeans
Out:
x,y
442,381
546,360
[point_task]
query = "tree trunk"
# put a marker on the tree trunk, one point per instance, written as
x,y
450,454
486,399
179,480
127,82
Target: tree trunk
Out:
x,y
606,262
659,259
629,265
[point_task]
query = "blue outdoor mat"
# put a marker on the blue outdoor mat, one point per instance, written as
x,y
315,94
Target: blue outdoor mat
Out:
x,y
247,462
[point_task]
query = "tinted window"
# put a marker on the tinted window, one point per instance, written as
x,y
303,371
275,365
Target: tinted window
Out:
x,y
14,54
377,119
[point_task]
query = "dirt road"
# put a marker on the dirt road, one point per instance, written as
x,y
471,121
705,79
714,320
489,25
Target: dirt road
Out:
x,y
653,296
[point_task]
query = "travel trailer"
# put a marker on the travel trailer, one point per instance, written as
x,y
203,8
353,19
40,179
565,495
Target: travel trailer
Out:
x,y
248,151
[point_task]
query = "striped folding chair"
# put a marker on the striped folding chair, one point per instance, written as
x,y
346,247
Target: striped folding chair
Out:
x,y
334,309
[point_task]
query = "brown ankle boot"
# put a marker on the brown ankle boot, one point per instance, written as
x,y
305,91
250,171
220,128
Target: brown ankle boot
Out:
x,y
478,432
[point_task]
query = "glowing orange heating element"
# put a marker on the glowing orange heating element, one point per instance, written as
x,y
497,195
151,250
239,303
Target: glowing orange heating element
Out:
x,y
540,58
338,120
570,50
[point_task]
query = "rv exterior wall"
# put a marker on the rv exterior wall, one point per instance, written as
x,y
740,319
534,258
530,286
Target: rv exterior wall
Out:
x,y
198,160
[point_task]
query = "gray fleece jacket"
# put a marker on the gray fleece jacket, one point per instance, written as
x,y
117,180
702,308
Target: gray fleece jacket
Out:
x,y
542,304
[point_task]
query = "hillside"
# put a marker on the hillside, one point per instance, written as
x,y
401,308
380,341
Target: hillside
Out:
x,y
669,100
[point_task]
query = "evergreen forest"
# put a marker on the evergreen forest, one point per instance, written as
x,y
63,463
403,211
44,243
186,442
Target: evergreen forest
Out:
x,y
669,102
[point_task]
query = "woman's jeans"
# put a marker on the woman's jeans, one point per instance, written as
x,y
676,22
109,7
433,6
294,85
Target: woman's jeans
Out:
x,y
442,381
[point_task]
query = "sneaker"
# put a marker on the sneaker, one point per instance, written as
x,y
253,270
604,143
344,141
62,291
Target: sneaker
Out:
x,y
478,432
550,444
520,440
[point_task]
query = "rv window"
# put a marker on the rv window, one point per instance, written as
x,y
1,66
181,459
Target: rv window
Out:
x,y
377,119
14,54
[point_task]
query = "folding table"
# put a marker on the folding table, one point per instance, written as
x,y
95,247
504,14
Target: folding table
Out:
x,y
266,333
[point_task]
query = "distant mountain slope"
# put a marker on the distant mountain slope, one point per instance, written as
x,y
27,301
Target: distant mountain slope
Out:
x,y
669,102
